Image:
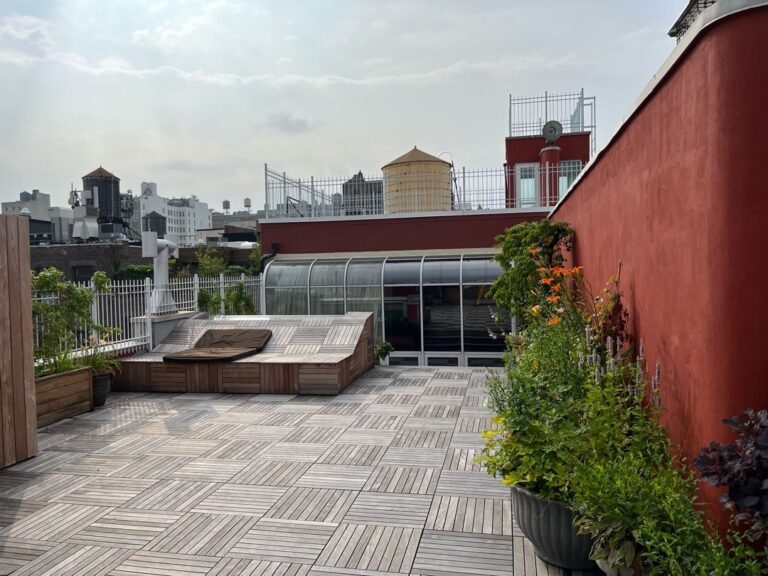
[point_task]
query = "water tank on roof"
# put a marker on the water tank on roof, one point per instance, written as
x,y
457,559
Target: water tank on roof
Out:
x,y
417,182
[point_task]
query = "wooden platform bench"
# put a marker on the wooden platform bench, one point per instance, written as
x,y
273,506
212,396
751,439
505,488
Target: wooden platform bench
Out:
x,y
305,355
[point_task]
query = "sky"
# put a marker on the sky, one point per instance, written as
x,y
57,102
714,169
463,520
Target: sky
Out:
x,y
197,95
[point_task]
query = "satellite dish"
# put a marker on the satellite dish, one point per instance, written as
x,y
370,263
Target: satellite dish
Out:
x,y
552,131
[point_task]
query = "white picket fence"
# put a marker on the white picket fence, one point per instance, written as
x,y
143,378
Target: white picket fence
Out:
x,y
124,307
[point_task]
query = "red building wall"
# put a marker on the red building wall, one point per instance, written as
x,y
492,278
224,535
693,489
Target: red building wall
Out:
x,y
525,149
680,198
452,231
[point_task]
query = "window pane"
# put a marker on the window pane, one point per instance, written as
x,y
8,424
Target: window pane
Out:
x,y
440,361
482,332
326,300
364,273
288,274
485,362
401,314
480,271
327,274
402,272
367,300
441,272
403,361
442,318
287,301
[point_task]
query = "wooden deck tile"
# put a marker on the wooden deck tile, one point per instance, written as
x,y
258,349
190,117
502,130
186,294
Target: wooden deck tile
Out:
x,y
107,491
185,447
449,553
479,485
404,510
346,408
312,505
17,552
54,523
379,422
71,559
14,510
463,459
403,480
264,433
284,541
474,515
241,499
151,467
238,567
46,488
245,450
124,528
134,445
353,454
271,473
161,564
335,476
172,495
202,534
296,452
314,435
200,470
422,439
396,456
366,547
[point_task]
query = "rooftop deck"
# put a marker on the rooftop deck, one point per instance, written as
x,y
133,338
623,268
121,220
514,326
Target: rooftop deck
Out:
x,y
379,480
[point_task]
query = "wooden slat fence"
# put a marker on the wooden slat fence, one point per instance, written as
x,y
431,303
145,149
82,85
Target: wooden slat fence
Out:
x,y
18,415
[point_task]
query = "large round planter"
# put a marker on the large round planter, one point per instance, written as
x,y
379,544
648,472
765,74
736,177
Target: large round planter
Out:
x,y
550,528
102,385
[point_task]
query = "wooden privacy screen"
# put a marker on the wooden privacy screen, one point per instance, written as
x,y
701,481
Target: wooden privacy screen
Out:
x,y
18,414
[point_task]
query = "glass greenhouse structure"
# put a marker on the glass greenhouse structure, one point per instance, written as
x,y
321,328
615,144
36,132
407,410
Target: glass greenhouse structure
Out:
x,y
434,310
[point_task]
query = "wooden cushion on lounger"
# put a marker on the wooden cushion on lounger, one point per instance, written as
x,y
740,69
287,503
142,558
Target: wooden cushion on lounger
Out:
x,y
223,345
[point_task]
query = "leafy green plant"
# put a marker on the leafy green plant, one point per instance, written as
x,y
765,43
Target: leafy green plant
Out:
x,y
208,301
209,263
524,249
238,301
383,350
101,362
61,308
135,272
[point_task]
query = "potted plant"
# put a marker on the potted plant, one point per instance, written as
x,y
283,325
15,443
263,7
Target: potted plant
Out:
x,y
104,367
382,351
63,366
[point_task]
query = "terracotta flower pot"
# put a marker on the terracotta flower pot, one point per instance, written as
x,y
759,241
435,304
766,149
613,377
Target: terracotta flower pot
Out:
x,y
550,528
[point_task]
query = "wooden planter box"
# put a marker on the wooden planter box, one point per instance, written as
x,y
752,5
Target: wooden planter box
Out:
x,y
63,395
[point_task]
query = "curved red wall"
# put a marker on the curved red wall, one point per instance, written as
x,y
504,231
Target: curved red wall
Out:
x,y
680,196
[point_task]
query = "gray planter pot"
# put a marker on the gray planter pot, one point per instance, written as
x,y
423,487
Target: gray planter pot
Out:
x,y
102,386
549,526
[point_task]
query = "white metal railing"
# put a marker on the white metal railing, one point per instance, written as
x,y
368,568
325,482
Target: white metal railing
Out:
x,y
522,187
124,308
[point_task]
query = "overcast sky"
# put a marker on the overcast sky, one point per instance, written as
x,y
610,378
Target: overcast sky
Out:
x,y
197,95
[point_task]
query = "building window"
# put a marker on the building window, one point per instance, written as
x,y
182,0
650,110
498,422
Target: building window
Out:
x,y
526,184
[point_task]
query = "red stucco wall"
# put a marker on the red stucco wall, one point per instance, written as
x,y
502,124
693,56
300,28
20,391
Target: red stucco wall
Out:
x,y
680,197
526,148
452,231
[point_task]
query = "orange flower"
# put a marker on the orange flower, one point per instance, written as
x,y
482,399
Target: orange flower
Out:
x,y
576,270
553,299
547,281
554,321
533,251
555,287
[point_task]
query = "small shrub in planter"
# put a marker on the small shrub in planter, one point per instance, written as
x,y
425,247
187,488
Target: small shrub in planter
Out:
x,y
382,351
742,468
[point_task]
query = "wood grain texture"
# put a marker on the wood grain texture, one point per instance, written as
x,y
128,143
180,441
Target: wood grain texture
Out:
x,y
18,419
317,355
63,395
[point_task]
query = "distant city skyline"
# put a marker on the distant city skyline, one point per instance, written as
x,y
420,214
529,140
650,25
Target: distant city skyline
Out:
x,y
197,95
